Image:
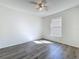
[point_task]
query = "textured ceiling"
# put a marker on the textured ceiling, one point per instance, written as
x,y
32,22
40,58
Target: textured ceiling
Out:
x,y
54,6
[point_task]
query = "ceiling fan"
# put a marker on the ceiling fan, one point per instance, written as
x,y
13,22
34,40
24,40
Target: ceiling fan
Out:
x,y
40,4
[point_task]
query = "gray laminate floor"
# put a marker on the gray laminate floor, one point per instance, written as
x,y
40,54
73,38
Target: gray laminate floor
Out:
x,y
40,50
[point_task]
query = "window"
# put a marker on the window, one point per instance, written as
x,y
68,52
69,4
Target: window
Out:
x,y
56,27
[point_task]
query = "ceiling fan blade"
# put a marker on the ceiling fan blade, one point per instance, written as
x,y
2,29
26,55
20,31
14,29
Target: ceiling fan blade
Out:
x,y
32,2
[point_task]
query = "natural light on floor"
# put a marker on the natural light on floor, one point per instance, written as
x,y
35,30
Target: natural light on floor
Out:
x,y
42,42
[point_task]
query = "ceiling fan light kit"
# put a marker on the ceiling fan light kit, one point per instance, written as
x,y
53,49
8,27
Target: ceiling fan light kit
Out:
x,y
40,5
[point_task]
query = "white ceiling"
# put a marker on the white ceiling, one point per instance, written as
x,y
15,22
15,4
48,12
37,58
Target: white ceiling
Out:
x,y
54,6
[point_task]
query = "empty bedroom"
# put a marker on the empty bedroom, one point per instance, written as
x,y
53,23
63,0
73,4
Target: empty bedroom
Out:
x,y
39,29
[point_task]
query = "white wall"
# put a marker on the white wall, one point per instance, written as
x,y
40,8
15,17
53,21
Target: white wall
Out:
x,y
70,27
18,27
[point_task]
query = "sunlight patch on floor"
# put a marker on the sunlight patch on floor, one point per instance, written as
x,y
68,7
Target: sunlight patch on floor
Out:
x,y
42,42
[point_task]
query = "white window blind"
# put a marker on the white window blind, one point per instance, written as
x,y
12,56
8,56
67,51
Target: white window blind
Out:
x,y
56,27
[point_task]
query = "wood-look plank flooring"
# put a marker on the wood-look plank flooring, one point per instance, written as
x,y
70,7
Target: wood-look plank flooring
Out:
x,y
33,50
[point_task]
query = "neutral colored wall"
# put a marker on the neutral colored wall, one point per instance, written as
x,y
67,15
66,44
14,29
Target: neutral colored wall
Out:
x,y
70,27
18,27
